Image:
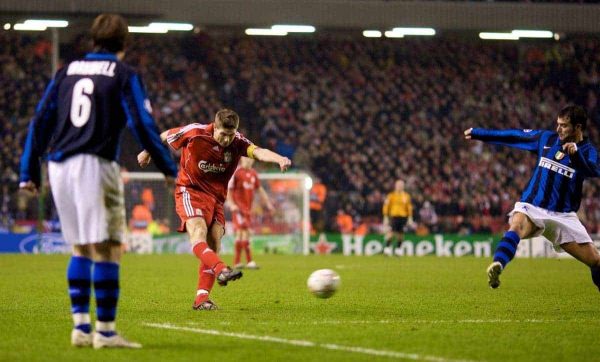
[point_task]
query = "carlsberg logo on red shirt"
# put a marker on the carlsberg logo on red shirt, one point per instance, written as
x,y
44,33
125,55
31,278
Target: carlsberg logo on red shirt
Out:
x,y
211,167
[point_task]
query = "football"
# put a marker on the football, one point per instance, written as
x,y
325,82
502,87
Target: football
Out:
x,y
323,283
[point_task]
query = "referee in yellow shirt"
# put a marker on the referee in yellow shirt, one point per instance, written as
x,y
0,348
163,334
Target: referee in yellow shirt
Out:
x,y
397,212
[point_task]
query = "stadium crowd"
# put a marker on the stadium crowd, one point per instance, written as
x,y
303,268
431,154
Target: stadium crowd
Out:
x,y
358,113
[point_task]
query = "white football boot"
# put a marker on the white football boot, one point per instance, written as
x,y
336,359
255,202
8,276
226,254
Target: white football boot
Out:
x,y
115,341
80,339
493,272
252,265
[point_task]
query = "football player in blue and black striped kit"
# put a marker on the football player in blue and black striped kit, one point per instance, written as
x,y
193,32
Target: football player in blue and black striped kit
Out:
x,y
77,127
548,206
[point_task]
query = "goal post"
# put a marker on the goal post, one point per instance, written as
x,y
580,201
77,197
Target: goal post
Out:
x,y
290,193
152,221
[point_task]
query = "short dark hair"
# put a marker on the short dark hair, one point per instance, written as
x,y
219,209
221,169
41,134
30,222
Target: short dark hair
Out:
x,y
226,118
575,115
110,32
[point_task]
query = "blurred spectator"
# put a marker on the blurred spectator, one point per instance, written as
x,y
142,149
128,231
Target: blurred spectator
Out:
x,y
318,193
141,218
344,222
428,218
148,198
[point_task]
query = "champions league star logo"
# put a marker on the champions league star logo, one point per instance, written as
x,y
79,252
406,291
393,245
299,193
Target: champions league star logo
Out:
x,y
559,155
322,246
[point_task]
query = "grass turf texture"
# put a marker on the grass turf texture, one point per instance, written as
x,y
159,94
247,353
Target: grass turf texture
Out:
x,y
442,307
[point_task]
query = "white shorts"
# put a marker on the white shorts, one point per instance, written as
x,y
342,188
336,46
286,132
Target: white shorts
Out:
x,y
557,227
88,193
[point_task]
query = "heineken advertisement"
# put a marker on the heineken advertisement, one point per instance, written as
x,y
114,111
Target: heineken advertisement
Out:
x,y
371,244
413,245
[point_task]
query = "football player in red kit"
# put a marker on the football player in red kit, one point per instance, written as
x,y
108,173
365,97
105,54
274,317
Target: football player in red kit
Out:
x,y
209,157
242,187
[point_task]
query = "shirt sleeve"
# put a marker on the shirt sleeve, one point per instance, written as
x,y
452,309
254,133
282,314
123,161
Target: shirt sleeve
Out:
x,y
588,162
176,137
139,119
386,206
523,139
245,146
39,134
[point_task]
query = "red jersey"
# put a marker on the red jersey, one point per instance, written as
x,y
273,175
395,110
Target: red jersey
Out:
x,y
243,184
206,165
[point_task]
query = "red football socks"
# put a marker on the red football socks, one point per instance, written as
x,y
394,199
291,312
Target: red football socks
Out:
x,y
208,257
206,278
237,252
246,245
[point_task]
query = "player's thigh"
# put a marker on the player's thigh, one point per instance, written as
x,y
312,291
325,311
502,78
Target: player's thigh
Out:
x,y
191,206
245,234
398,224
65,200
100,207
522,225
79,187
197,229
114,200
584,252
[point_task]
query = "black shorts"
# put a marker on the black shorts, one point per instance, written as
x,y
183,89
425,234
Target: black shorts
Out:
x,y
398,224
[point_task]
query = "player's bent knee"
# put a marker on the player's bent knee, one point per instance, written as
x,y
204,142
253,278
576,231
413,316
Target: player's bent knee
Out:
x,y
85,251
522,225
108,251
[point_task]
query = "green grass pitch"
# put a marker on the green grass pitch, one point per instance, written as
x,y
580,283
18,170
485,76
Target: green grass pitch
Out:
x,y
431,309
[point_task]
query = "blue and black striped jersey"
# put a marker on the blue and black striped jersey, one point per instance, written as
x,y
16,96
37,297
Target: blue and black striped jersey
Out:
x,y
557,179
85,109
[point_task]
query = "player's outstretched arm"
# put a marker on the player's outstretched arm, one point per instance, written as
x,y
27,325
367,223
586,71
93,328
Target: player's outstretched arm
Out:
x,y
265,155
523,139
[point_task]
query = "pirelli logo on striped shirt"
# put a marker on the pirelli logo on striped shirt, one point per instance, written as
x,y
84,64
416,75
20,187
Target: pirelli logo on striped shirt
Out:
x,y
557,167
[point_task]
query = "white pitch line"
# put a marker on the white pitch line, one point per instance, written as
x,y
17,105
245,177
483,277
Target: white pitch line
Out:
x,y
424,321
438,321
303,343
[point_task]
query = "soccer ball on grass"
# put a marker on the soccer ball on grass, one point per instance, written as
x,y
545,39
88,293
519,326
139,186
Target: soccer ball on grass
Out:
x,y
323,283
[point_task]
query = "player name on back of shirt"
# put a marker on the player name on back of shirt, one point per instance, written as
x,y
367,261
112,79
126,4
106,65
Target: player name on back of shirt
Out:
x,y
95,67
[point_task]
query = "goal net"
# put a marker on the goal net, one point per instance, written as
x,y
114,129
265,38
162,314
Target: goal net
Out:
x,y
152,222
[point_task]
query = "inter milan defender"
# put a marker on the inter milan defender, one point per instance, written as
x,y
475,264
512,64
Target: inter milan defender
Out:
x,y
209,157
242,187
548,205
79,121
